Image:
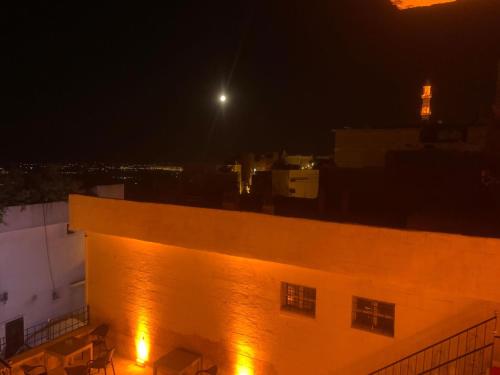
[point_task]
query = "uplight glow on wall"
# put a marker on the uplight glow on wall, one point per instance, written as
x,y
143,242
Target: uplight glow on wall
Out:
x,y
244,362
142,351
243,369
407,4
244,339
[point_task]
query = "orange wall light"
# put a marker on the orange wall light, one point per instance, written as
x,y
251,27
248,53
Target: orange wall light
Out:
x,y
142,351
244,362
244,369
142,338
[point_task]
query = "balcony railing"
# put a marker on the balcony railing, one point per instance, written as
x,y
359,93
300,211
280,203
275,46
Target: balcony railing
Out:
x,y
467,352
476,362
55,327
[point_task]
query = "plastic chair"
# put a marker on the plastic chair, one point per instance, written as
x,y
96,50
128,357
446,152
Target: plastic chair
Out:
x,y
211,371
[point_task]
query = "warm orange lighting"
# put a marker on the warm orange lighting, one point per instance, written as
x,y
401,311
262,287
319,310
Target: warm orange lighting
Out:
x,y
244,365
427,91
142,344
142,351
244,361
243,370
406,4
425,112
142,337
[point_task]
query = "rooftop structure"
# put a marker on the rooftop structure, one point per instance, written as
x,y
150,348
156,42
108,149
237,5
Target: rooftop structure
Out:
x,y
357,148
41,265
260,294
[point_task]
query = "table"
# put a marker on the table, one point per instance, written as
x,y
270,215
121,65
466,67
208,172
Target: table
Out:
x,y
178,361
66,349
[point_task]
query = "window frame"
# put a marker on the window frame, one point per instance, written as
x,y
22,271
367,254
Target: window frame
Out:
x,y
302,300
373,315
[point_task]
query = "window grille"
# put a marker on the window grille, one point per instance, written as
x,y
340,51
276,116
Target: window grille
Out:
x,y
374,316
298,298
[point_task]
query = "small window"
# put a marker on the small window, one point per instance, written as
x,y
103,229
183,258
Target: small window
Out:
x,y
373,316
299,299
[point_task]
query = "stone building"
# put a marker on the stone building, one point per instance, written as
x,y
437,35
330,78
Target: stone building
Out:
x,y
260,294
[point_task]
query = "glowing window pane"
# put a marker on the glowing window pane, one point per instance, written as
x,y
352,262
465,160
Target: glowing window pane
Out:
x,y
298,298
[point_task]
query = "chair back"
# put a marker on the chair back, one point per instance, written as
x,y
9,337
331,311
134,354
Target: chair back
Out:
x,y
100,331
102,361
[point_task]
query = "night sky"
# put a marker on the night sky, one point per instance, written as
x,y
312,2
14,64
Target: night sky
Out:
x,y
124,82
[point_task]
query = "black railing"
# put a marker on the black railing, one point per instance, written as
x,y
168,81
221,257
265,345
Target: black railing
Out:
x,y
52,329
477,362
467,352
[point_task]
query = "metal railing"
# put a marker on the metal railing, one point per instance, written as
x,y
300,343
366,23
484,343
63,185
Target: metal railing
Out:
x,y
477,362
47,331
467,352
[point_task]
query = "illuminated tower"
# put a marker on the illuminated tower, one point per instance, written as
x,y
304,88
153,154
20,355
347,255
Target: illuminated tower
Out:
x,y
425,112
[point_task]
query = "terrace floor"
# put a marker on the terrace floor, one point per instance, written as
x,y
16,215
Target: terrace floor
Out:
x,y
126,366
36,356
122,366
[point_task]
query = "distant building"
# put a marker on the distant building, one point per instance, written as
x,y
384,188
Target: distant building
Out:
x,y
236,169
359,148
293,176
266,161
368,148
42,271
260,294
114,191
296,183
301,161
